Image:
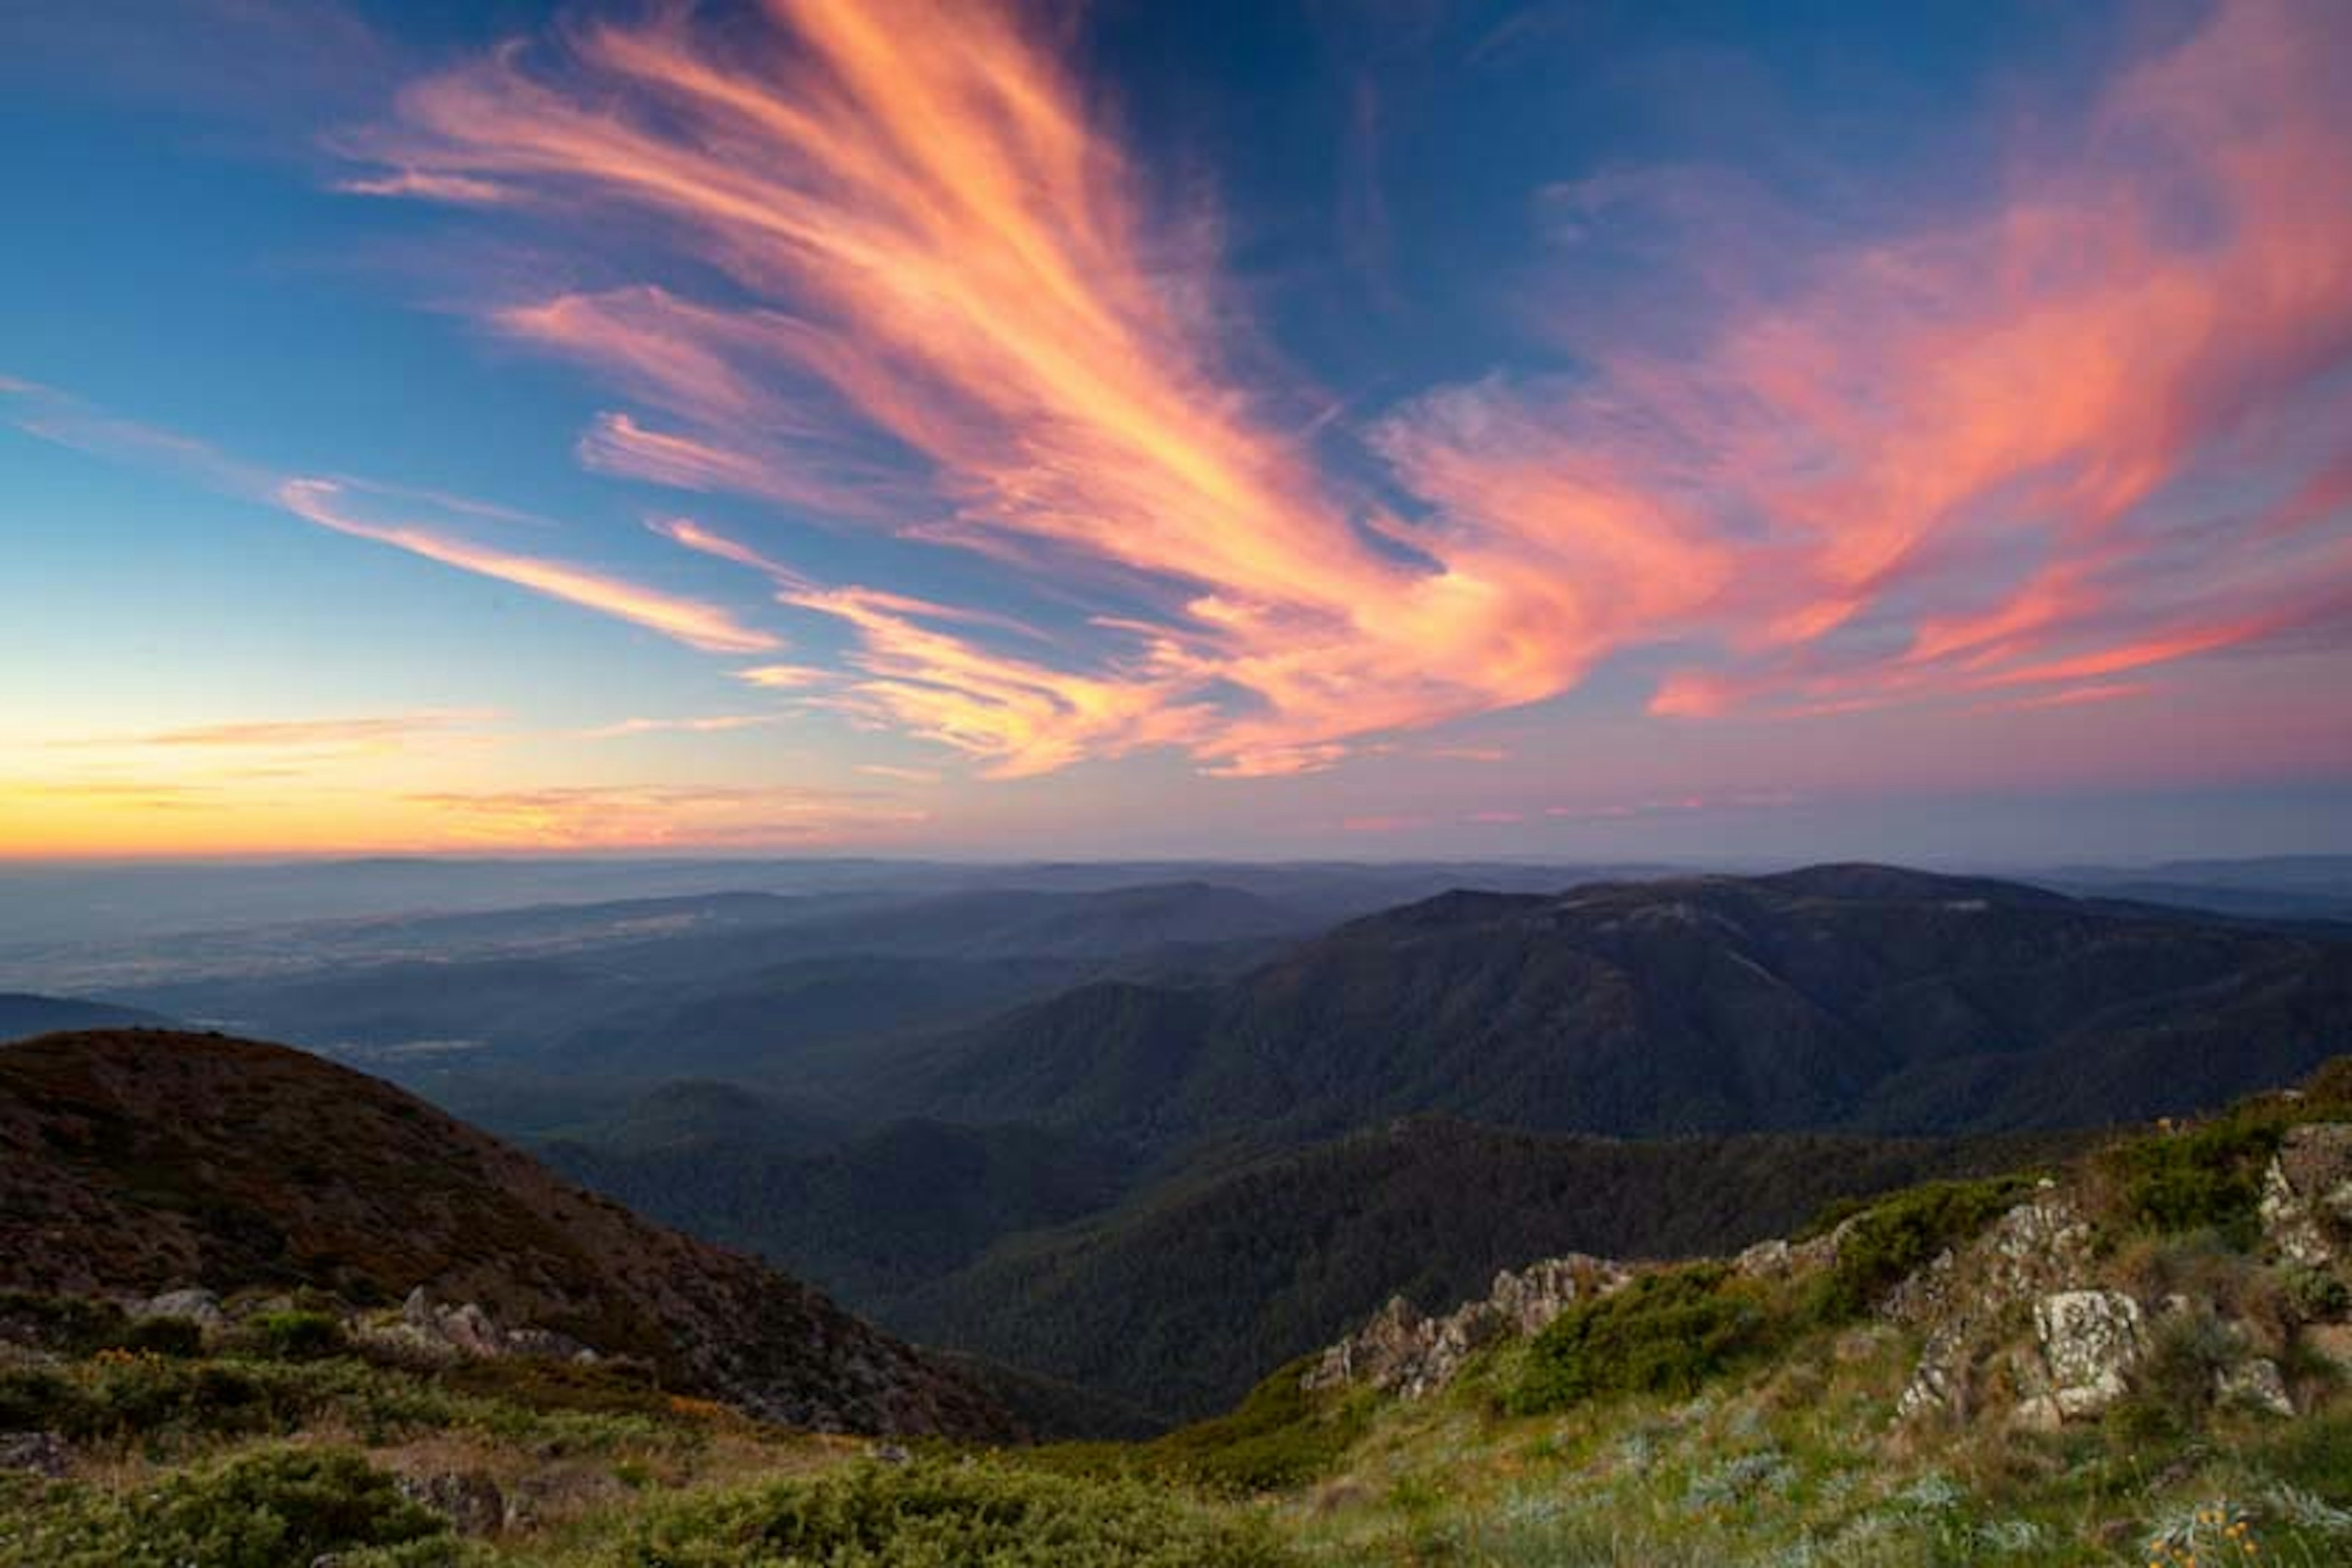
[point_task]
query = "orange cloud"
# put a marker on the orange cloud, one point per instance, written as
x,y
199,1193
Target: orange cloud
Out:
x,y
951,263
1947,461
709,724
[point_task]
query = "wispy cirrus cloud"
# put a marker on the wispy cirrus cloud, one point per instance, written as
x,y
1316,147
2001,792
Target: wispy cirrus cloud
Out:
x,y
1938,464
700,724
953,268
361,732
423,523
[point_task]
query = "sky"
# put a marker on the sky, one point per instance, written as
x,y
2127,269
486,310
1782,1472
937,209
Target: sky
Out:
x,y
1291,427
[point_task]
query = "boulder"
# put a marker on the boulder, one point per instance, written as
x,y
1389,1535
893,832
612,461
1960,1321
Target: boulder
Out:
x,y
2086,1342
2255,1383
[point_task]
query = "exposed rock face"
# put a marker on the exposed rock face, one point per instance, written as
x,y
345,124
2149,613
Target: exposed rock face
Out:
x,y
438,1331
1962,1298
1779,1259
2306,1205
1404,1352
2088,1341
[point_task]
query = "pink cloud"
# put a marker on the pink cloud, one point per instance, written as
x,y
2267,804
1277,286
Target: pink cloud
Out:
x,y
1943,462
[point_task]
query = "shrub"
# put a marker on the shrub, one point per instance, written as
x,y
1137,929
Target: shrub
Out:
x,y
2206,1179
261,1511
164,1336
1893,1238
1666,1333
2314,1294
300,1334
930,1515
32,1399
73,1324
2172,1387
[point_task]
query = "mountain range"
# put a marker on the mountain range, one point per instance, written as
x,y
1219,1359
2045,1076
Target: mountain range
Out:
x,y
1838,996
1136,1137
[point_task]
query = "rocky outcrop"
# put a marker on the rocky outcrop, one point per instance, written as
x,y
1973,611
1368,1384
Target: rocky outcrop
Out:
x,y
1778,1259
2306,1204
1966,1299
436,1331
2038,1319
1403,1351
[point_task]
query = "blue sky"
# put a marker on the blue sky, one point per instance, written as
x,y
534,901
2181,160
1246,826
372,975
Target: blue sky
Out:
x,y
1561,428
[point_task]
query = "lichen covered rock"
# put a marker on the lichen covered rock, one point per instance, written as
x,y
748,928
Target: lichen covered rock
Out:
x,y
2086,1343
2306,1202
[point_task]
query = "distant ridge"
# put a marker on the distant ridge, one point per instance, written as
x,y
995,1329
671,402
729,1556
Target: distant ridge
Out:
x,y
24,1016
1855,996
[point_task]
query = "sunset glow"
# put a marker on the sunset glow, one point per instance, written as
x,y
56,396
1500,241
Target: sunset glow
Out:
x,y
893,426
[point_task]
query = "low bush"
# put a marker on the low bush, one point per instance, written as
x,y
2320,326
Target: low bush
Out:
x,y
934,1515
2209,1178
261,1511
2314,1294
163,1336
75,1325
1279,1437
1666,1333
299,1334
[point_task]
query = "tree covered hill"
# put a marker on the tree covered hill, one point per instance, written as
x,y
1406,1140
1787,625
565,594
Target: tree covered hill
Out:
x,y
1854,996
1182,1299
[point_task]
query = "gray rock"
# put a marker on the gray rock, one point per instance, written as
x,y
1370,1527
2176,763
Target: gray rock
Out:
x,y
1962,1299
1404,1352
429,1328
40,1453
2255,1383
2306,1202
2086,1340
